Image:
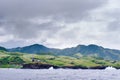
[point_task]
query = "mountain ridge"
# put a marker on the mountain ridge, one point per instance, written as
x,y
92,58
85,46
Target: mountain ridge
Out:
x,y
85,50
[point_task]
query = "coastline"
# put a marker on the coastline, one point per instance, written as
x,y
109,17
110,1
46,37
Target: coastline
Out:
x,y
48,66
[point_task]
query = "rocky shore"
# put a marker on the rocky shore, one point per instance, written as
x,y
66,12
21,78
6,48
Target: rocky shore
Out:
x,y
38,66
47,66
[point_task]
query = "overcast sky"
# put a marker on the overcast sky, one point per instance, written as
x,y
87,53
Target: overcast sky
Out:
x,y
60,23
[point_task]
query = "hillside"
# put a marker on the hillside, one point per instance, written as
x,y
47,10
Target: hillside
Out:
x,y
90,50
16,60
2,48
93,50
35,48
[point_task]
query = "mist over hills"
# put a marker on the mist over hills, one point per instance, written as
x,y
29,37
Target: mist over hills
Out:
x,y
89,50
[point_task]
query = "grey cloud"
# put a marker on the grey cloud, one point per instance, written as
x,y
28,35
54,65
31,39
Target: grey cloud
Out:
x,y
14,43
114,26
57,8
18,18
16,14
26,30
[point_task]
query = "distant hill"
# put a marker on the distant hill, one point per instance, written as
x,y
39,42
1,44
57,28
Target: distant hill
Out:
x,y
93,50
90,50
35,48
3,49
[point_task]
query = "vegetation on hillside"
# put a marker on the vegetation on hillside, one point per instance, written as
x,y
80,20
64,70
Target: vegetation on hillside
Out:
x,y
16,60
89,50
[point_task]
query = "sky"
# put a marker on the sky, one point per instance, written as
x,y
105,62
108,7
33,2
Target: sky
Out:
x,y
60,23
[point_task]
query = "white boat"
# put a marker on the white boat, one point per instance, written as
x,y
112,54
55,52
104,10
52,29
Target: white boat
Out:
x,y
110,68
51,68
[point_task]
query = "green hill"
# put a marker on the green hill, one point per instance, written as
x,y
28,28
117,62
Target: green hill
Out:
x,y
16,60
109,54
3,49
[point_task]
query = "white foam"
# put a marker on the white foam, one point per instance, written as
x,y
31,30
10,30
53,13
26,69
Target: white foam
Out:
x,y
51,68
110,68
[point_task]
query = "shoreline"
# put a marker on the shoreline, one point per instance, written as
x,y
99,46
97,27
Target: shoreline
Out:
x,y
48,66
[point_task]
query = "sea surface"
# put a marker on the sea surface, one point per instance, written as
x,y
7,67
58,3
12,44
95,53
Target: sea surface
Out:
x,y
58,74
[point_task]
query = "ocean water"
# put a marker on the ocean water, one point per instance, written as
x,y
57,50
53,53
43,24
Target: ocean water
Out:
x,y
58,74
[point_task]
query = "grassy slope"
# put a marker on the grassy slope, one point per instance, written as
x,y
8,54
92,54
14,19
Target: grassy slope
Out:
x,y
15,60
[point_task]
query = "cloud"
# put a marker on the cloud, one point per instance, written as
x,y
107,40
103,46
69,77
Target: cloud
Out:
x,y
59,23
47,7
